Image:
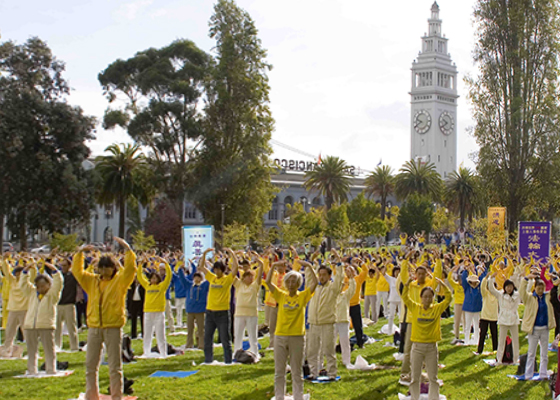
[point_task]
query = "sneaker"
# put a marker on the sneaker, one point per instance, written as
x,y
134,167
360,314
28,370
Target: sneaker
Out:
x,y
398,356
405,380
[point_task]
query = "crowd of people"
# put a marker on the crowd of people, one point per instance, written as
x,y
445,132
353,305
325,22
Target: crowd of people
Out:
x,y
310,302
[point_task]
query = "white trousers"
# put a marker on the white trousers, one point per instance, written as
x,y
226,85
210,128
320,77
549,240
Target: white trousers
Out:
x,y
343,331
393,305
382,298
154,321
539,336
241,323
370,306
179,307
472,319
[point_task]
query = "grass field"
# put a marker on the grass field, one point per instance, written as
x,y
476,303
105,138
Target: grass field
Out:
x,y
465,376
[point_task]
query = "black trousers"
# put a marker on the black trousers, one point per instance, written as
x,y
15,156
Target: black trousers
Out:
x,y
557,319
484,324
135,311
81,311
356,317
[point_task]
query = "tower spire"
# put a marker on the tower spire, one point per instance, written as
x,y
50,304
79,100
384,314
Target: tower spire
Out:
x,y
434,22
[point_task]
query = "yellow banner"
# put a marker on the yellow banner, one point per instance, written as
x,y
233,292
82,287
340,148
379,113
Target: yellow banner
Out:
x,y
496,218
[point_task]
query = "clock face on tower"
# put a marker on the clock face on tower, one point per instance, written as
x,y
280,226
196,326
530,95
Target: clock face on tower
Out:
x,y
446,123
422,121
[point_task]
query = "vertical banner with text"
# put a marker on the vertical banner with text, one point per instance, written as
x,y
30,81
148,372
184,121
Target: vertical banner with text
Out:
x,y
534,239
196,239
496,218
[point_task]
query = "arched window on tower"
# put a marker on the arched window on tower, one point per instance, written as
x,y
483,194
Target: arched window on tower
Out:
x,y
317,202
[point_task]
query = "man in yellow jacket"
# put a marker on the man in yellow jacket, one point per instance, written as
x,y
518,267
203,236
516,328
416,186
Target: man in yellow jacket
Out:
x,y
105,315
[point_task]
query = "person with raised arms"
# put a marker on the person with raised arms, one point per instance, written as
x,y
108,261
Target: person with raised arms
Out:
x,y
106,314
290,328
154,307
425,334
217,308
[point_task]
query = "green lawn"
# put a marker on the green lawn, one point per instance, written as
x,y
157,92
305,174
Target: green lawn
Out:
x,y
465,377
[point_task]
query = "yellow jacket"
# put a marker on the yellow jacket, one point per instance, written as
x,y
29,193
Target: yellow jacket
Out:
x,y
371,284
415,287
17,300
41,313
355,300
106,308
532,307
155,294
459,291
489,301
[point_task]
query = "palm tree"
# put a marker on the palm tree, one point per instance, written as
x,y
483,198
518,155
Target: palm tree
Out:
x,y
460,192
123,175
381,183
330,178
418,178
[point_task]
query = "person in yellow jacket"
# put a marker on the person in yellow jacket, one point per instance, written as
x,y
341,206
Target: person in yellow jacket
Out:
x,y
270,305
459,298
217,309
40,320
425,334
383,289
290,329
17,309
370,295
106,315
355,309
154,308
423,279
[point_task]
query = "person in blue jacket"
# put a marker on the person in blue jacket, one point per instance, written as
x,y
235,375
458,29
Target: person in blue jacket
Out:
x,y
180,295
472,306
196,294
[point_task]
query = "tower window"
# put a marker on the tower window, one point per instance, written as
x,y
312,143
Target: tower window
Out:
x,y
445,143
422,143
438,158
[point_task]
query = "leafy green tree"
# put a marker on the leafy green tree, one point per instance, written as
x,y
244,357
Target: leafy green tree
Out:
x,y
416,215
515,98
381,183
331,179
443,221
236,236
302,226
65,243
232,166
460,193
43,184
364,218
123,175
337,223
141,242
161,90
419,178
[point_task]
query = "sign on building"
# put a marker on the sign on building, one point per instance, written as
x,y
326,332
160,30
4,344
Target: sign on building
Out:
x,y
534,239
196,239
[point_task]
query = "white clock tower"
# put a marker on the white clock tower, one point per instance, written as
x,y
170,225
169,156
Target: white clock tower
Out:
x,y
434,101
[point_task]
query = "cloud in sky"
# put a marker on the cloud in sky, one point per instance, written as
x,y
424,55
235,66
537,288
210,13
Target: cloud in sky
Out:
x,y
341,72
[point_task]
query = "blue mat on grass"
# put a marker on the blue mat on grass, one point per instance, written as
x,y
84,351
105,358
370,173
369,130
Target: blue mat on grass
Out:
x,y
247,346
522,377
172,374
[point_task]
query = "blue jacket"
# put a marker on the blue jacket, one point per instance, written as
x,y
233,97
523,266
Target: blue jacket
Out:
x,y
473,296
196,295
180,289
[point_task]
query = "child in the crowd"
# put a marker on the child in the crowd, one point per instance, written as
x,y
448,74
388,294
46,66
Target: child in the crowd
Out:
x,y
40,319
459,298
154,307
394,298
197,295
472,305
290,328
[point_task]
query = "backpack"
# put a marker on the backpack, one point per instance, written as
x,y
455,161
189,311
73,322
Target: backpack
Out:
x,y
523,364
170,350
60,366
397,338
245,357
127,352
508,352
127,386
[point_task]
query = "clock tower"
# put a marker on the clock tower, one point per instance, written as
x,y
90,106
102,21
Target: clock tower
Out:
x,y
434,101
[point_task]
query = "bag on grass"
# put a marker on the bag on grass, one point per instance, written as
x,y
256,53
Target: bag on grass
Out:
x,y
523,363
60,366
508,352
245,357
170,350
127,386
127,352
396,338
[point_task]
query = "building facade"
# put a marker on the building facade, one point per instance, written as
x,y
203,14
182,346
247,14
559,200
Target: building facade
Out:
x,y
434,101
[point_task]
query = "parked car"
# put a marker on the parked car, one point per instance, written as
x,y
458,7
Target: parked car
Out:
x,y
394,242
7,246
41,250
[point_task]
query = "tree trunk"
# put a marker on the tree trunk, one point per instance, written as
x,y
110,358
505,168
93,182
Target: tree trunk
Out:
x,y
22,231
329,203
122,217
1,233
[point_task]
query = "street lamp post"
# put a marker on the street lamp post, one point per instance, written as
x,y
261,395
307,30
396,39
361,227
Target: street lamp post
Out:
x,y
223,221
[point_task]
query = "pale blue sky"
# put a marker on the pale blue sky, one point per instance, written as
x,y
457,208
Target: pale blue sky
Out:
x,y
341,72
